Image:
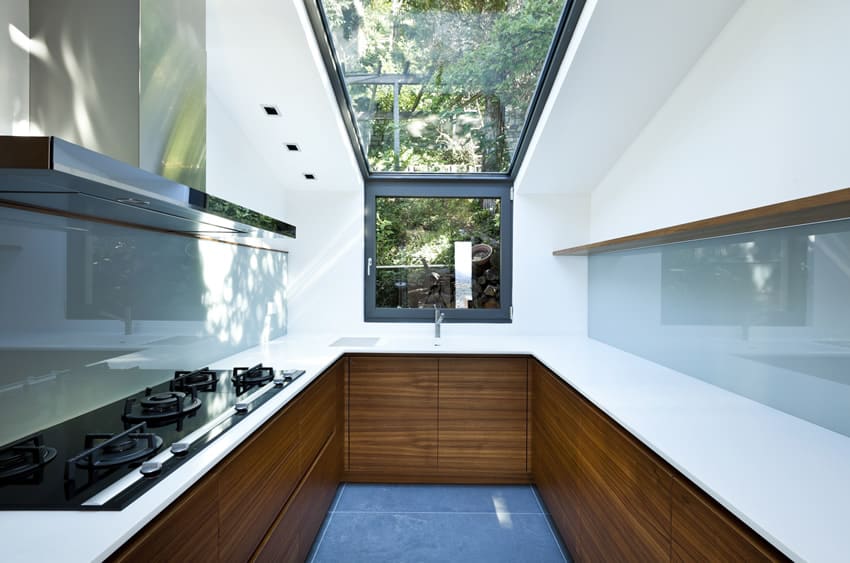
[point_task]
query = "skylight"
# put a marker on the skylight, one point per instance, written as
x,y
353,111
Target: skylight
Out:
x,y
442,86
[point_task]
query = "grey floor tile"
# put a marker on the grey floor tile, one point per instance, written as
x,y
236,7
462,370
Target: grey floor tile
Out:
x,y
446,537
438,498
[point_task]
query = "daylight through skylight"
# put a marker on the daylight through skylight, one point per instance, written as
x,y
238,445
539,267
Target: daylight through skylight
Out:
x,y
441,86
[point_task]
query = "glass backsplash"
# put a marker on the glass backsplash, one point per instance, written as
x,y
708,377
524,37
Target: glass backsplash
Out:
x,y
765,315
93,312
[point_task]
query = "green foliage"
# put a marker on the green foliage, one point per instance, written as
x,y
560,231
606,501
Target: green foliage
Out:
x,y
469,68
417,230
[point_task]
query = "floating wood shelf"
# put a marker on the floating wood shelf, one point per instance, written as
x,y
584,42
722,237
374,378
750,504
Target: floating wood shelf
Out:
x,y
829,206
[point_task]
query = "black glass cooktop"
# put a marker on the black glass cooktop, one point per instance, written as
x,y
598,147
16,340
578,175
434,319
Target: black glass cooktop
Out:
x,y
101,460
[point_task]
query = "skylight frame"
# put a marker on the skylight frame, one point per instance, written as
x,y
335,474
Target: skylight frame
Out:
x,y
552,63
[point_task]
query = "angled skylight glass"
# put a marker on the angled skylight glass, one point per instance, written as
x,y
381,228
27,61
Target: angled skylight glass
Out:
x,y
441,86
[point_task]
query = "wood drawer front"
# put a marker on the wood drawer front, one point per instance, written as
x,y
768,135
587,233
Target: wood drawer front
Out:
x,y
558,479
483,414
294,532
320,413
704,531
256,482
557,408
641,484
186,531
392,416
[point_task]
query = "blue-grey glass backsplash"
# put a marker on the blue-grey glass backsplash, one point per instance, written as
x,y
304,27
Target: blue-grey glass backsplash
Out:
x,y
765,315
92,312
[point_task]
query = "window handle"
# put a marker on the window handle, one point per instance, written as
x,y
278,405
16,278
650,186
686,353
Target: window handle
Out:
x,y
368,267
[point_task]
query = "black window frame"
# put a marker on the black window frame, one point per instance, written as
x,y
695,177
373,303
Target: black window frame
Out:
x,y
554,59
493,188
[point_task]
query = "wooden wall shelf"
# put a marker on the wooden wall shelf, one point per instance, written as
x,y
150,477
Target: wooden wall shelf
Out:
x,y
829,206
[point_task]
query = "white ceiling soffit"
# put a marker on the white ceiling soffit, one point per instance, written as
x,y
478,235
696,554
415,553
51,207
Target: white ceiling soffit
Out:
x,y
264,52
630,59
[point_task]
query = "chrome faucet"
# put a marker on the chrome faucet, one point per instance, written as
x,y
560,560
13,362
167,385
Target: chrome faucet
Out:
x,y
127,319
438,320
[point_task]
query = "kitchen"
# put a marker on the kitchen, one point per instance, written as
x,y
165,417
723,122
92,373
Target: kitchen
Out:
x,y
744,112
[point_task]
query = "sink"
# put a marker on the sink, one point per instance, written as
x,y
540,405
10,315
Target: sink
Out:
x,y
356,342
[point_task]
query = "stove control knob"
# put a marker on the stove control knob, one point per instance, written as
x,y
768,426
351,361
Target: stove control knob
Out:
x,y
150,468
241,408
180,448
279,381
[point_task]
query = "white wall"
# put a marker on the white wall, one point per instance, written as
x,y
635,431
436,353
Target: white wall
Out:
x,y
259,52
761,118
14,67
326,268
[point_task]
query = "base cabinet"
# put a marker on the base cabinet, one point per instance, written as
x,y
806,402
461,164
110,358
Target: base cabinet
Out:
x,y
267,500
182,532
612,499
437,419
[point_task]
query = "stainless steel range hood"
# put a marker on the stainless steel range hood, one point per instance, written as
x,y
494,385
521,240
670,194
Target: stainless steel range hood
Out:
x,y
49,174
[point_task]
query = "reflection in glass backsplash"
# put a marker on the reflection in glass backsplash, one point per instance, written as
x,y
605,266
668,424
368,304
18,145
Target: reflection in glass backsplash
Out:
x,y
93,312
765,315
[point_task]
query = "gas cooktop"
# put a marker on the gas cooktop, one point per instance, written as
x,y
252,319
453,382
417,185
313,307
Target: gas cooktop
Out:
x,y
101,460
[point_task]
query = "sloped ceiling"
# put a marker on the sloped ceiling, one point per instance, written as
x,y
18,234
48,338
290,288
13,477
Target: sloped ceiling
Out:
x,y
630,59
262,52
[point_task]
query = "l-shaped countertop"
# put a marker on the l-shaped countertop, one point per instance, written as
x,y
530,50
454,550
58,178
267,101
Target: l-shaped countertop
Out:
x,y
785,477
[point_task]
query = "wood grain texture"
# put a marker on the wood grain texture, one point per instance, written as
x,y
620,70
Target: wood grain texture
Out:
x,y
291,534
822,207
392,413
294,532
705,531
611,501
557,441
482,415
186,531
320,414
256,482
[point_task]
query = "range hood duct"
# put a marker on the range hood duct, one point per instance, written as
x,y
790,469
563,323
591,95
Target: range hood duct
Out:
x,y
126,79
52,175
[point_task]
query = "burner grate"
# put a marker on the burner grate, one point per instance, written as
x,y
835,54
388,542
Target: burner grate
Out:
x,y
104,451
203,379
25,458
161,407
245,378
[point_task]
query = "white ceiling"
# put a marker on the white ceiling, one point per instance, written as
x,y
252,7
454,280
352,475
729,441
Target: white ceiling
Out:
x,y
631,58
260,52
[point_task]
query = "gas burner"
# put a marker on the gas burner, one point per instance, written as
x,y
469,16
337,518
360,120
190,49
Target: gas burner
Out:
x,y
203,379
245,378
166,406
25,458
103,451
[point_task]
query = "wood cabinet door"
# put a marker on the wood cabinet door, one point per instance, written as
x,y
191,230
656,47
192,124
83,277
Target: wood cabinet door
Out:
x,y
556,453
628,505
186,531
704,531
256,481
392,414
483,423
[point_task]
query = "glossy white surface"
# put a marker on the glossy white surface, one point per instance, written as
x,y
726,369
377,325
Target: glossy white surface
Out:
x,y
785,477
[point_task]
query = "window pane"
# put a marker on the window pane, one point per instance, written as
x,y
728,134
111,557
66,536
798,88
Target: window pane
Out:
x,y
441,86
442,251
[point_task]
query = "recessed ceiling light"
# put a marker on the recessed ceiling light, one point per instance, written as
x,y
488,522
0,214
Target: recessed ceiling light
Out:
x,y
271,110
292,147
310,176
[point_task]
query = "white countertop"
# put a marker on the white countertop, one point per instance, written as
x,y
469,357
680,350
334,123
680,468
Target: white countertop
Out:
x,y
787,478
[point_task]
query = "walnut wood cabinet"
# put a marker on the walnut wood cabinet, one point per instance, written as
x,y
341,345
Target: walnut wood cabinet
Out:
x,y
265,501
612,499
392,414
437,419
482,418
